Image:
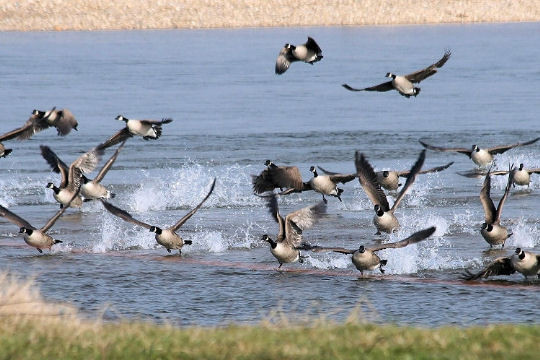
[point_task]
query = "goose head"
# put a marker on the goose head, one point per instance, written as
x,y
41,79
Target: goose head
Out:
x,y
26,231
361,249
378,210
156,230
122,118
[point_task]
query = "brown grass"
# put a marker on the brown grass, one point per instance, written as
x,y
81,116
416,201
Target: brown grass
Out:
x,y
32,15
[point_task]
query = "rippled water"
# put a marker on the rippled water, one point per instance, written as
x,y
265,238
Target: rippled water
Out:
x,y
231,113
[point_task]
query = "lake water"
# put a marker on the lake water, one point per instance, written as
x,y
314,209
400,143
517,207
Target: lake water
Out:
x,y
231,113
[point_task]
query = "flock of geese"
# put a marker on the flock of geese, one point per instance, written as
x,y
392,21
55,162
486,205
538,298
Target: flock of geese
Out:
x,y
75,187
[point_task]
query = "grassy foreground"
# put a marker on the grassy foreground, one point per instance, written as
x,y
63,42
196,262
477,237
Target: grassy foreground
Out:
x,y
31,328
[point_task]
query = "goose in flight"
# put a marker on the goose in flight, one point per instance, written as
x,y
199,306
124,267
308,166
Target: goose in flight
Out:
x,y
310,53
481,157
404,84
274,176
148,129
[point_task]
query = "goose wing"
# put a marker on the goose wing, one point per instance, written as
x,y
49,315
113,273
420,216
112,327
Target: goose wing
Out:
x,y
368,180
273,207
14,218
386,86
500,266
120,136
534,171
283,60
124,215
277,176
334,249
414,238
502,148
475,173
338,177
313,46
498,213
427,171
108,164
194,210
59,213
410,178
56,164
465,151
420,75
22,133
300,220
485,199
85,163
157,122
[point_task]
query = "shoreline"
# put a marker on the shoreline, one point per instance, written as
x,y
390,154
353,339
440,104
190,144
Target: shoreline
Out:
x,y
83,15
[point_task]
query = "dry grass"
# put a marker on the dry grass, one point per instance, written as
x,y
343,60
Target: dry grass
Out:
x,y
31,328
33,15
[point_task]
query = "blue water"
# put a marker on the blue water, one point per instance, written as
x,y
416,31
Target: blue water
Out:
x,y
231,113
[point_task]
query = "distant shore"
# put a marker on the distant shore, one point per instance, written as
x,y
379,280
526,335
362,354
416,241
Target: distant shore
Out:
x,y
58,15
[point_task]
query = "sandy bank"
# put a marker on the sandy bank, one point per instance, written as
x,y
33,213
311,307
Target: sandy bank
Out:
x,y
37,15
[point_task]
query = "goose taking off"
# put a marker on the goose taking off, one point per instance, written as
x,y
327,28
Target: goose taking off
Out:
x,y
274,176
384,218
167,237
492,231
364,258
309,53
404,83
286,248
524,262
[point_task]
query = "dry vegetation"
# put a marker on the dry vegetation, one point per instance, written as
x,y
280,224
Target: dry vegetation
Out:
x,y
37,15
31,328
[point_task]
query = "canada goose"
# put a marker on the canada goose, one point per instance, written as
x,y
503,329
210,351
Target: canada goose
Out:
x,y
384,218
389,179
72,176
366,259
480,157
37,238
404,84
286,248
165,237
524,262
148,129
520,176
492,231
63,120
327,184
3,151
277,177
309,52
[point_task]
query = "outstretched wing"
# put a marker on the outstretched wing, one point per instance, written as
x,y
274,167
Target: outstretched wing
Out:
x,y
420,75
283,61
501,266
485,199
124,215
313,46
14,218
300,220
108,164
119,137
386,86
465,151
414,238
368,180
334,249
410,178
502,148
506,191
277,176
194,210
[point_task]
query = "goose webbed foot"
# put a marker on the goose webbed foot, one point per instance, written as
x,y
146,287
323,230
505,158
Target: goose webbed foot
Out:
x,y
40,251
